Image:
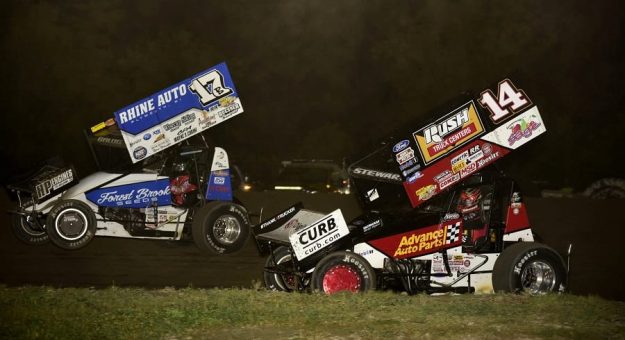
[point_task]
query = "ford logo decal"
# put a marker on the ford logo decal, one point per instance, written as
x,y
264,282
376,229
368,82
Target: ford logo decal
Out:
x,y
401,145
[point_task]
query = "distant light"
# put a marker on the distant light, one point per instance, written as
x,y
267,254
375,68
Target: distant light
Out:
x,y
278,187
247,187
327,186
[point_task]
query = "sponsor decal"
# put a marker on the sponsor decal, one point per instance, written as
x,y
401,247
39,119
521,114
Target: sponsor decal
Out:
x,y
372,225
133,143
465,162
294,224
377,174
147,136
449,181
521,128
185,133
45,187
159,138
457,264
173,126
219,188
187,118
426,192
283,216
136,195
487,149
451,216
373,195
228,111
163,217
421,241
525,127
442,176
411,170
110,141
414,177
140,153
220,160
366,252
311,239
405,156
409,164
401,146
482,162
449,132
208,119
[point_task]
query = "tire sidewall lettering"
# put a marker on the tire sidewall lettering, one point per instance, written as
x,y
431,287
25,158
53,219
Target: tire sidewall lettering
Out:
x,y
518,267
354,262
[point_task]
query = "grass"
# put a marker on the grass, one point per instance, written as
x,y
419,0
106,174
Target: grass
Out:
x,y
129,313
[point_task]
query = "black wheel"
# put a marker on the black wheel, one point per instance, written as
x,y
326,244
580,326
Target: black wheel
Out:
x,y
529,267
343,271
29,229
220,228
283,262
71,224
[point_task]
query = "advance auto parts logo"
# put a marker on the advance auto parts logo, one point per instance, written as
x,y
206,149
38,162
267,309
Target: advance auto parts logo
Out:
x,y
421,242
449,132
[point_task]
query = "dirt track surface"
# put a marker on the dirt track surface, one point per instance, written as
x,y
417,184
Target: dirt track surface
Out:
x,y
595,228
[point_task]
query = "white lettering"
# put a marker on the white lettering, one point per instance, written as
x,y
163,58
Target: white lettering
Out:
x,y
136,111
435,133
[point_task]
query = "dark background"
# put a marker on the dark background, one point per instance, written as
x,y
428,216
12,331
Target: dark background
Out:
x,y
318,79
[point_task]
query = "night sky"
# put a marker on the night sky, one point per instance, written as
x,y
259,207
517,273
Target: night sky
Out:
x,y
317,79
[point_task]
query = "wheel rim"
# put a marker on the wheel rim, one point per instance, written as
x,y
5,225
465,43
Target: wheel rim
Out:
x,y
71,224
285,282
538,277
226,229
31,226
341,278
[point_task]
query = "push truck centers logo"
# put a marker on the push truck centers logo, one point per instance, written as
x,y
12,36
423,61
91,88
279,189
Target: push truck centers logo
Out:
x,y
449,132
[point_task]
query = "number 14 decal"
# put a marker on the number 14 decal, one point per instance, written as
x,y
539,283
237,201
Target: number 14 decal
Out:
x,y
509,101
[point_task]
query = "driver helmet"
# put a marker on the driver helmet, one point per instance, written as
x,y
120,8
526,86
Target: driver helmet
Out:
x,y
469,199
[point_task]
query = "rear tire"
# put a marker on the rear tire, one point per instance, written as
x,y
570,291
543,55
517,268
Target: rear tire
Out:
x,y
220,228
29,229
529,267
71,224
343,271
284,261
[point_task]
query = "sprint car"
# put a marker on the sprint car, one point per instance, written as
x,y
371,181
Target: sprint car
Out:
x,y
438,216
176,187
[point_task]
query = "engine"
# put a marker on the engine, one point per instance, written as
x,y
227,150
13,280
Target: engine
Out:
x,y
133,219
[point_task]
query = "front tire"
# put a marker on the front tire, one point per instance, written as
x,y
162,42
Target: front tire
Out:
x,y
343,271
29,229
529,267
71,224
220,228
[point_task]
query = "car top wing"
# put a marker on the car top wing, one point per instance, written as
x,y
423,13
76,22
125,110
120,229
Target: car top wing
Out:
x,y
464,140
175,113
